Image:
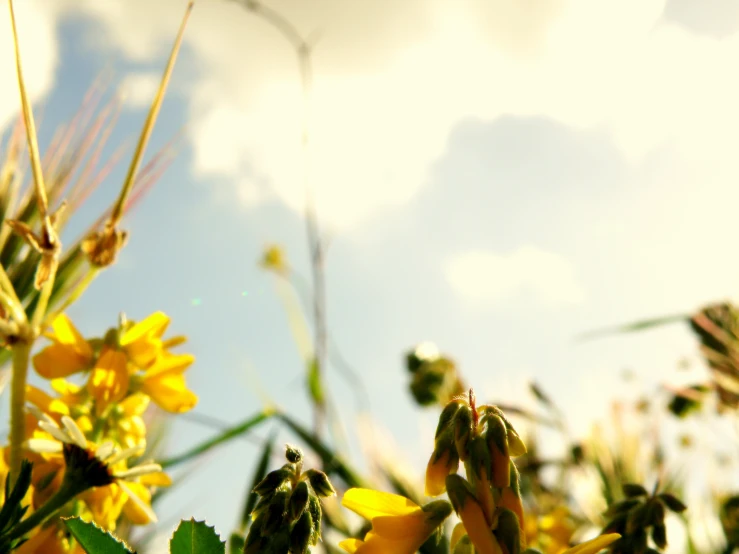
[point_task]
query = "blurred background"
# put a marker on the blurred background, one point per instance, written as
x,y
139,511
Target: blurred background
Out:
x,y
495,176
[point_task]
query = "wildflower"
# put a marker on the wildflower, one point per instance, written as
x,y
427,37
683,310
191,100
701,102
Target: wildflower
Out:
x,y
399,526
165,383
142,341
88,465
70,352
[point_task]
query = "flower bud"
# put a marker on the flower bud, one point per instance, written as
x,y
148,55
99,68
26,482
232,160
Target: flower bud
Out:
x,y
463,431
508,531
472,516
293,454
298,501
314,508
274,514
516,447
444,460
495,435
272,481
320,483
463,546
480,459
301,534
510,496
447,416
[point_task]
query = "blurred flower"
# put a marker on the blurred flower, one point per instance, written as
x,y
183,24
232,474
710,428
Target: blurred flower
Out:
x,y
399,526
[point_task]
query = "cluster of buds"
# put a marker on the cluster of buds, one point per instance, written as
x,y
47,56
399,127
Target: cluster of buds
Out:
x,y
488,501
434,377
287,517
636,515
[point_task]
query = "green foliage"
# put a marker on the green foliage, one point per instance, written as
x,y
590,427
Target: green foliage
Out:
x,y
195,537
12,511
94,539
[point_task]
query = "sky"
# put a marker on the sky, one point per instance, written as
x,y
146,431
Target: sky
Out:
x,y
495,176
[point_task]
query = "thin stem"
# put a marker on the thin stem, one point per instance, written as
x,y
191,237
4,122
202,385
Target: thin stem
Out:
x,y
151,118
6,285
75,294
43,302
65,493
15,309
21,355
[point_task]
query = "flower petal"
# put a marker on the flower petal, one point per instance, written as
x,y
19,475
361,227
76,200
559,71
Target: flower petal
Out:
x,y
60,360
138,505
170,392
370,503
108,381
45,402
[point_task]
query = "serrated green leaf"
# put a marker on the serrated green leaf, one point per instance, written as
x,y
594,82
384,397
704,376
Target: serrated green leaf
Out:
x,y
195,537
95,540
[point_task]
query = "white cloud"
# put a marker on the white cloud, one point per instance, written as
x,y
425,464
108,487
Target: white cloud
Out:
x,y
392,79
481,276
139,89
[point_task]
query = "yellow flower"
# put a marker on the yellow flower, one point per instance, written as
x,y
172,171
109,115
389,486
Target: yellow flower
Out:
x,y
55,407
50,540
69,354
142,342
399,526
108,382
165,383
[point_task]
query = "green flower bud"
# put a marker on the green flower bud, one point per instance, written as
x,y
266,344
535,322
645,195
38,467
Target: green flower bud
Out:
x,y
298,501
659,535
508,531
254,542
447,416
314,508
302,534
438,511
516,447
293,454
273,481
320,483
274,514
480,458
463,431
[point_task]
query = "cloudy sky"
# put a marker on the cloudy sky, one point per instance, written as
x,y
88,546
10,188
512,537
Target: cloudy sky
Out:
x,y
496,176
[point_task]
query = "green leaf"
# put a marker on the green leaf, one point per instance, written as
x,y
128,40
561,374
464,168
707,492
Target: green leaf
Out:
x,y
632,490
93,539
259,474
315,386
195,537
225,436
634,327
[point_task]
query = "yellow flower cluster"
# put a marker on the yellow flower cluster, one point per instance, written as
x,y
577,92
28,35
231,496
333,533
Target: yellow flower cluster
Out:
x,y
101,417
488,500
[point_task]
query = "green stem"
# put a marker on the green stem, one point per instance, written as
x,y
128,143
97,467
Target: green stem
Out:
x,y
74,295
43,302
21,355
65,493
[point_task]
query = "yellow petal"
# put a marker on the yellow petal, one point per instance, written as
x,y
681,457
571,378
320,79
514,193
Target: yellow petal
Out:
x,y
436,472
144,351
64,332
402,527
108,381
153,325
350,545
595,545
156,479
44,402
477,527
458,532
170,392
370,504
170,364
135,509
59,360
64,387
135,404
